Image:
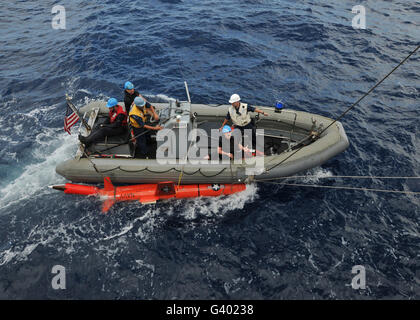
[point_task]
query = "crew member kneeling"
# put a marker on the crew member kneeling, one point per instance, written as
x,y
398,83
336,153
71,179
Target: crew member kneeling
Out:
x,y
140,129
228,147
114,125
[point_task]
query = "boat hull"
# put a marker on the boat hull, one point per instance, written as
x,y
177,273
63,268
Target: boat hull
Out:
x,y
332,142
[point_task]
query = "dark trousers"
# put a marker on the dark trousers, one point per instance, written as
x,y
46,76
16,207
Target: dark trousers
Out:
x,y
99,134
141,142
249,126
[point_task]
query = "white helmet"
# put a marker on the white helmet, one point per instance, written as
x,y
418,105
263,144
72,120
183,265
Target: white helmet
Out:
x,y
234,98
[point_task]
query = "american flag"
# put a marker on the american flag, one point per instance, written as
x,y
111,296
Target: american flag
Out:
x,y
70,119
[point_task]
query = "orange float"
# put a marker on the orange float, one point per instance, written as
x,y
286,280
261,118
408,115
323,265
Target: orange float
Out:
x,y
149,193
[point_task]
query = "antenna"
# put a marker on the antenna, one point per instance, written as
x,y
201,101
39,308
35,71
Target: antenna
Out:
x,y
188,93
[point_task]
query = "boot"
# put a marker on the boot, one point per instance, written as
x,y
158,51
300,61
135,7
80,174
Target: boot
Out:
x,y
83,140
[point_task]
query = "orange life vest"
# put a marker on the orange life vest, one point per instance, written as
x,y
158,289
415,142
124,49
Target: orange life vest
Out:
x,y
114,114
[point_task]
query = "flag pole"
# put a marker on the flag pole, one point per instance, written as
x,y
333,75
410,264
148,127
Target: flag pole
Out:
x,y
72,107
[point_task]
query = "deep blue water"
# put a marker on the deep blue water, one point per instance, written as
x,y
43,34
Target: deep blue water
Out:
x,y
266,243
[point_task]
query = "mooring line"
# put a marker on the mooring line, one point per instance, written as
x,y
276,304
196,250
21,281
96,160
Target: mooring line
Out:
x,y
351,107
336,177
342,187
373,88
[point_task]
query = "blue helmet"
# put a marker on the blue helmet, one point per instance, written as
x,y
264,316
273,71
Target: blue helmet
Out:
x,y
128,85
112,103
139,102
226,129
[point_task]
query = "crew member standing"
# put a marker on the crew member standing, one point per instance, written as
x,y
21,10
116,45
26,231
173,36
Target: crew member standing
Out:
x,y
141,130
130,94
238,113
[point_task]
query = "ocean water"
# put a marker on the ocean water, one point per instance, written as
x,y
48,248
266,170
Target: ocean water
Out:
x,y
269,242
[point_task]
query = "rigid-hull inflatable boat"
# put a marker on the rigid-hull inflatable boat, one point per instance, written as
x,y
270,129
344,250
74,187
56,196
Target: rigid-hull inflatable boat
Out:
x,y
293,141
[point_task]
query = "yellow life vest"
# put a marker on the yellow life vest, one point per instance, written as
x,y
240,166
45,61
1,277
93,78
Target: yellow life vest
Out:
x,y
136,111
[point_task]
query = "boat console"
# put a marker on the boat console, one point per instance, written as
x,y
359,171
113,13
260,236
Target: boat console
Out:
x,y
177,119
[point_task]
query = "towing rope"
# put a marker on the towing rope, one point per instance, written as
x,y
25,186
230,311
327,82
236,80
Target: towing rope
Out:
x,y
342,187
334,177
296,151
373,88
353,177
183,166
123,143
94,165
351,107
